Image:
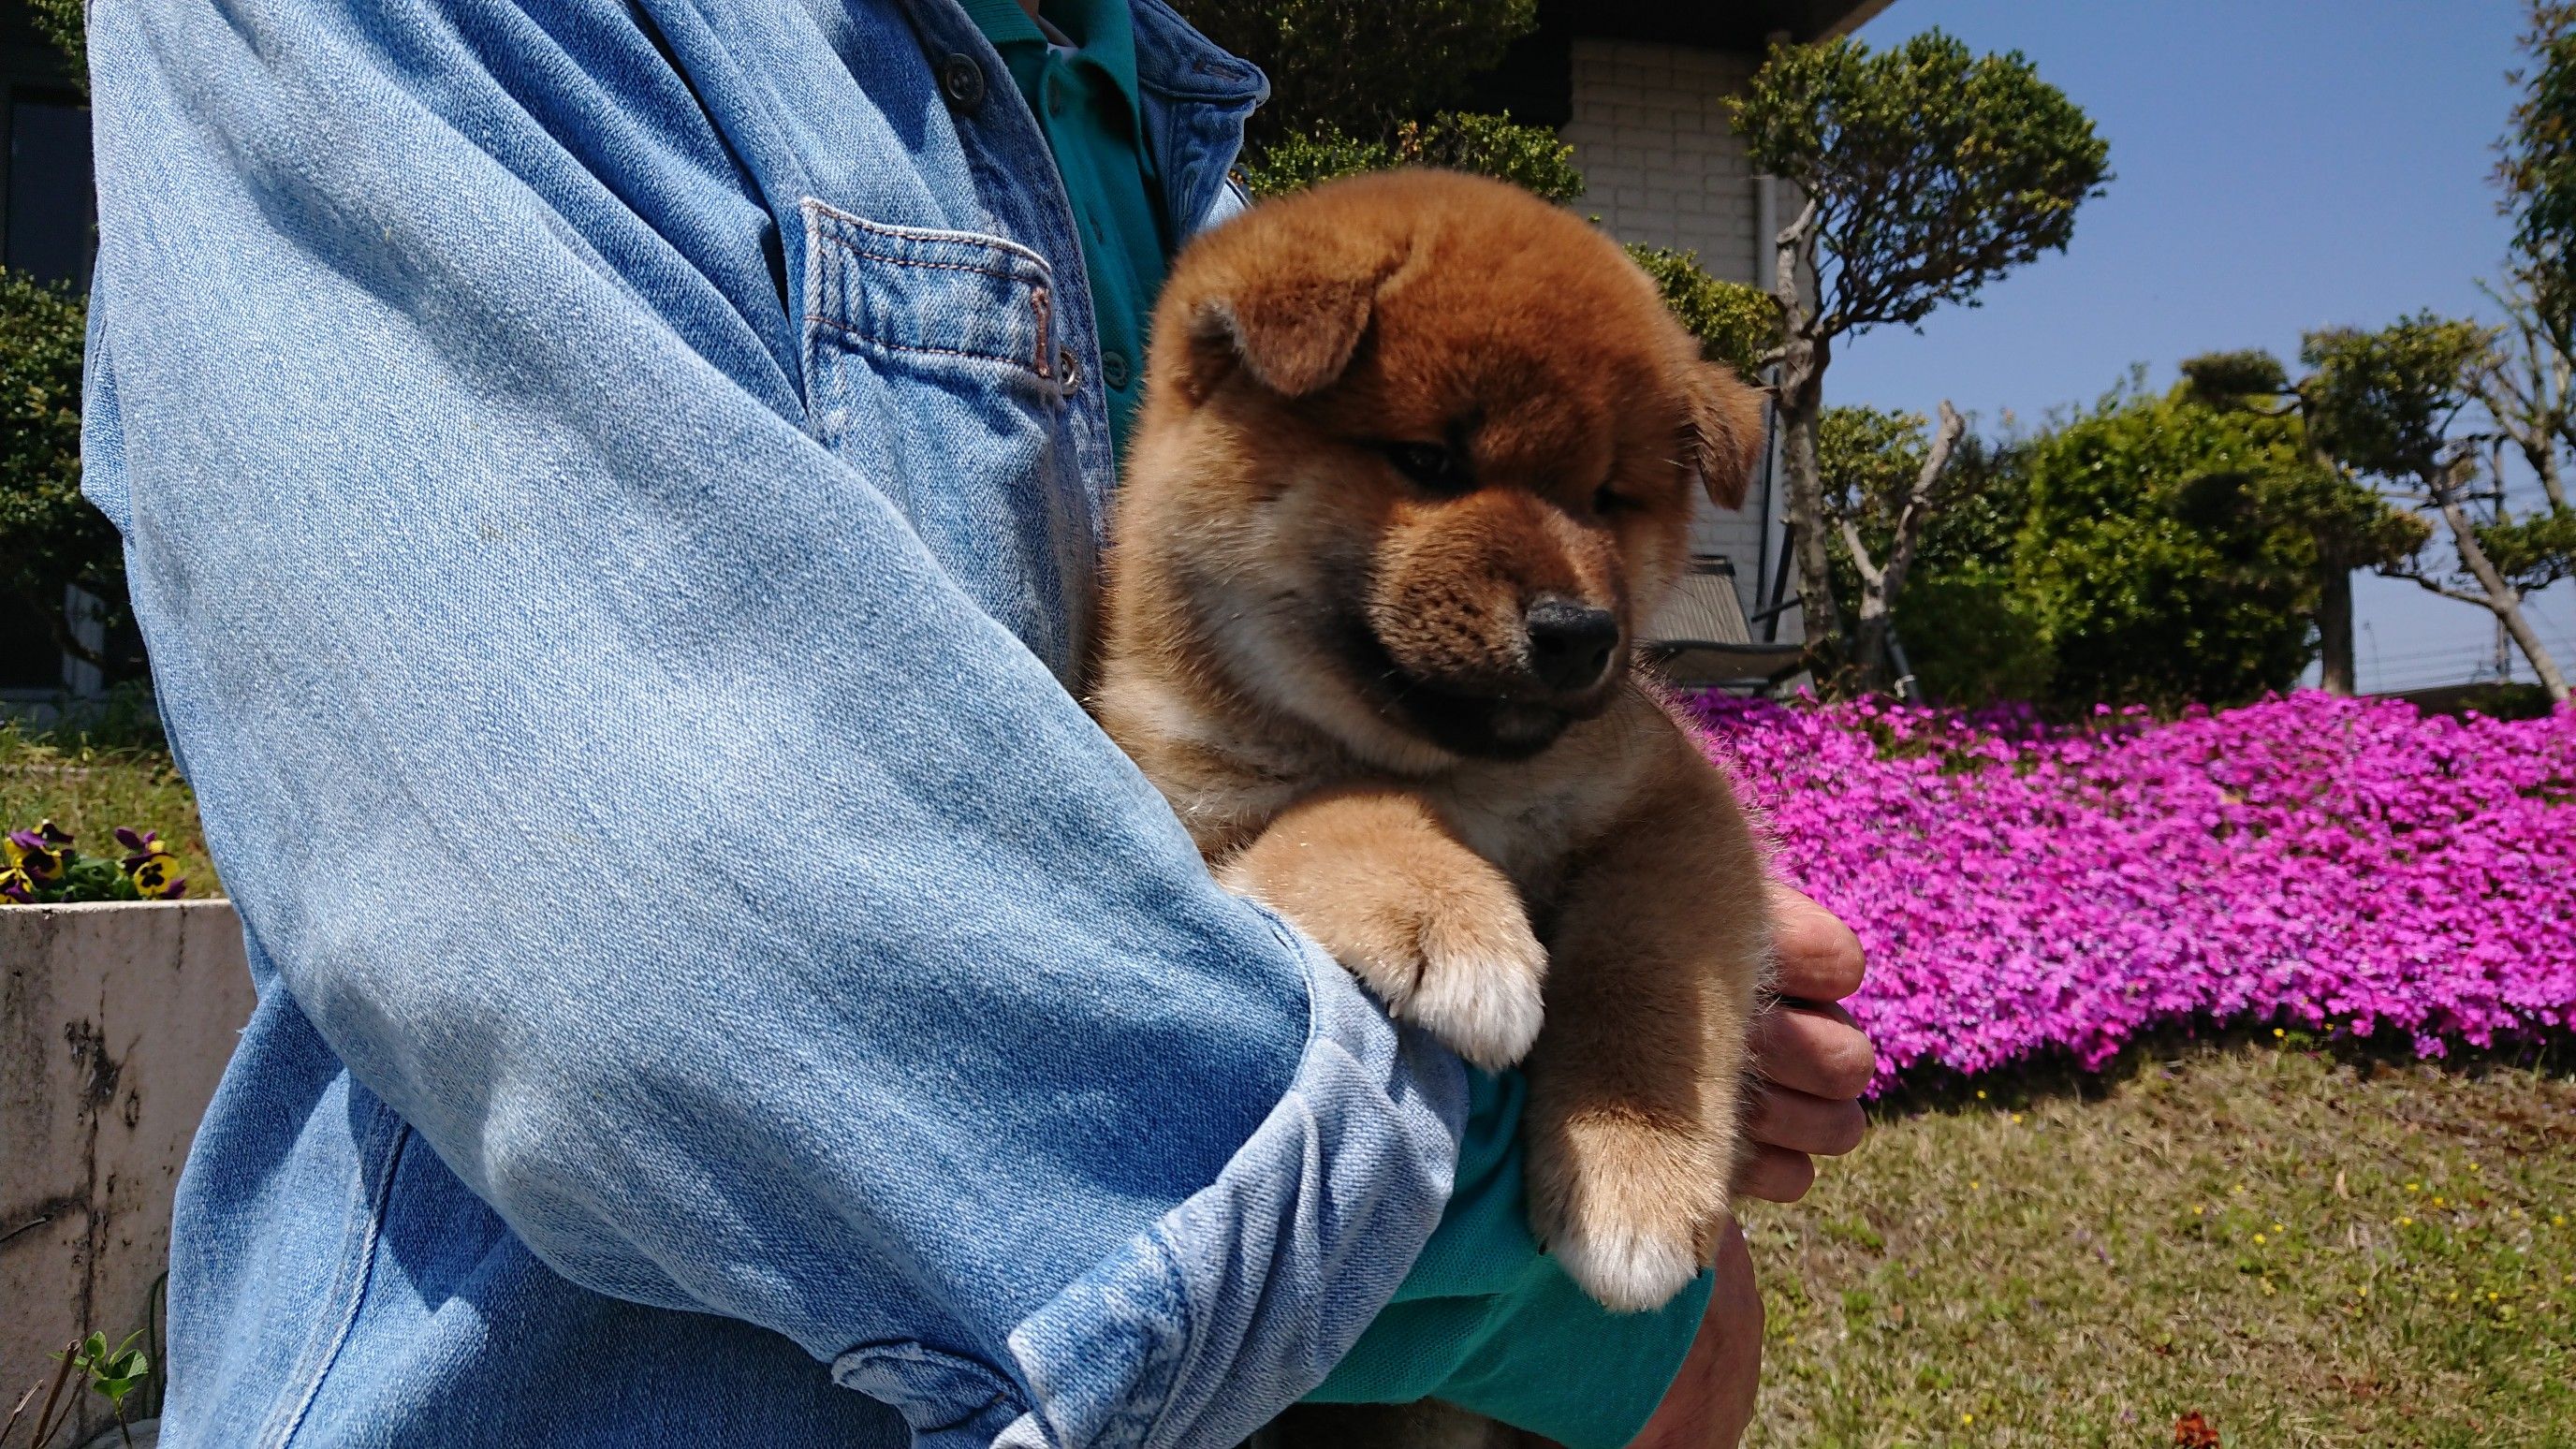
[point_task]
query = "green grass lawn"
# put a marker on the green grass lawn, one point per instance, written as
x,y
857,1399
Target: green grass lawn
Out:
x,y
90,788
2303,1250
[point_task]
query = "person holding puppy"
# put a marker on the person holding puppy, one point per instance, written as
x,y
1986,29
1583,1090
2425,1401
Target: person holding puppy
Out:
x,y
613,498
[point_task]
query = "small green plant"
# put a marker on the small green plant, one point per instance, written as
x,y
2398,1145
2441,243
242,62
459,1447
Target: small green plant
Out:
x,y
46,867
114,1373
111,1373
51,538
63,23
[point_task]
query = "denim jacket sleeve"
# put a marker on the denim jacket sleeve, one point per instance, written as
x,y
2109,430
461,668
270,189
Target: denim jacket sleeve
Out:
x,y
631,797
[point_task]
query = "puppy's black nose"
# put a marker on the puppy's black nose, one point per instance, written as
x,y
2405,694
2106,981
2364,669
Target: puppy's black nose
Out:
x,y
1570,644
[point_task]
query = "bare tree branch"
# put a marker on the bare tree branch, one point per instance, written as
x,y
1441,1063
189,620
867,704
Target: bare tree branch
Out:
x,y
1876,644
1917,513
1871,578
2502,599
2436,586
1787,249
2525,392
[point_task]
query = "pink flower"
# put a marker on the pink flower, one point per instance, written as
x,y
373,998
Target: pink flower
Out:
x,y
2028,890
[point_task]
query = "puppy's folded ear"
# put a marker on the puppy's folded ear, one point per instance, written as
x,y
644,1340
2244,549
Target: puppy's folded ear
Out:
x,y
1293,336
1723,430
1289,312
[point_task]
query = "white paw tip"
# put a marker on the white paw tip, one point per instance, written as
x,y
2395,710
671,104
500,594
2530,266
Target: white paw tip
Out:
x,y
1627,1272
1490,1017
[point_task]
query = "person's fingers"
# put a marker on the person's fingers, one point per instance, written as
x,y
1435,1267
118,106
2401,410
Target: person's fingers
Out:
x,y
1817,1050
1820,958
1775,1174
1801,1123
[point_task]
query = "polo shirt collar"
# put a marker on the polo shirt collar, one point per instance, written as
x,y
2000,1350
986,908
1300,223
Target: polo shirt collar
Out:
x,y
1101,28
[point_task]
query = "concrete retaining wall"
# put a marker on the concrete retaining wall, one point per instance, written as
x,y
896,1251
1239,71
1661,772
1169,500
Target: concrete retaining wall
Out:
x,y
115,1021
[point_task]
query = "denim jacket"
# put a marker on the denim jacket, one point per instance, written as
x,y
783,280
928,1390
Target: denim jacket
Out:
x,y
609,490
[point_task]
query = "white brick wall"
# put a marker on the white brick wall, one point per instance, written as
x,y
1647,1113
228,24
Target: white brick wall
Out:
x,y
1650,134
1737,535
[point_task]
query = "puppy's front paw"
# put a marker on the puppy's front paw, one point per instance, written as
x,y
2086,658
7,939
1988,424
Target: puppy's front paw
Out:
x,y
1433,929
1629,1267
1476,981
1453,955
1632,1207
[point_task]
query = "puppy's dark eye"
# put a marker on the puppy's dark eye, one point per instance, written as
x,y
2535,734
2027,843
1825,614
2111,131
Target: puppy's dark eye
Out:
x,y
1606,501
1428,464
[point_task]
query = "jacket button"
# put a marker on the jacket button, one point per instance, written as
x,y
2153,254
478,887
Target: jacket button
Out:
x,y
1113,368
963,80
1068,371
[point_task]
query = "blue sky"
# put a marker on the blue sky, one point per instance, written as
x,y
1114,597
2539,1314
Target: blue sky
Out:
x,y
2280,165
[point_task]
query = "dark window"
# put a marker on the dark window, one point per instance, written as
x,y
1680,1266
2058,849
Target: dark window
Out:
x,y
50,199
46,231
29,662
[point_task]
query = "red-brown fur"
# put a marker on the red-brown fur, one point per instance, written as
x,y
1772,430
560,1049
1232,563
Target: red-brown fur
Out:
x,y
1326,663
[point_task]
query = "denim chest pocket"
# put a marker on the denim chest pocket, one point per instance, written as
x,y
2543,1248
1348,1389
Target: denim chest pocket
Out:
x,y
931,368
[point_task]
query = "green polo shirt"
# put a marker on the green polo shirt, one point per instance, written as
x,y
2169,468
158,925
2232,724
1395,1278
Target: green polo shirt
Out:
x,y
1488,1321
1484,1319
1085,101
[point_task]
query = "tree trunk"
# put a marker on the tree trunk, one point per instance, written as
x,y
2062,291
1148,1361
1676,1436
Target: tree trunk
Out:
x,y
1873,651
1877,662
2501,597
1805,348
2510,611
1801,405
2532,649
2334,628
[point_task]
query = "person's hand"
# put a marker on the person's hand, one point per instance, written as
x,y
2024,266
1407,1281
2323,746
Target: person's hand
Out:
x,y
1814,1060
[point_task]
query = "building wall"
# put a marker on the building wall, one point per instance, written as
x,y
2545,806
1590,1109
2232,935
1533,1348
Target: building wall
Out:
x,y
1649,131
1662,166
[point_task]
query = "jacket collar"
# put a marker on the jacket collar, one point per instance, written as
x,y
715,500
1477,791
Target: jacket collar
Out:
x,y
1174,59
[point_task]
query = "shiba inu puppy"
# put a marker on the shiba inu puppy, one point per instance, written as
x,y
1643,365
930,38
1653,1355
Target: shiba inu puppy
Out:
x,y
1415,462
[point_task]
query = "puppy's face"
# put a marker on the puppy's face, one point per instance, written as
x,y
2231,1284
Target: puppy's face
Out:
x,y
1419,454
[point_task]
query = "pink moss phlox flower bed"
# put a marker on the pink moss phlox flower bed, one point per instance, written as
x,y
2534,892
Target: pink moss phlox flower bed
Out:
x,y
2027,891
